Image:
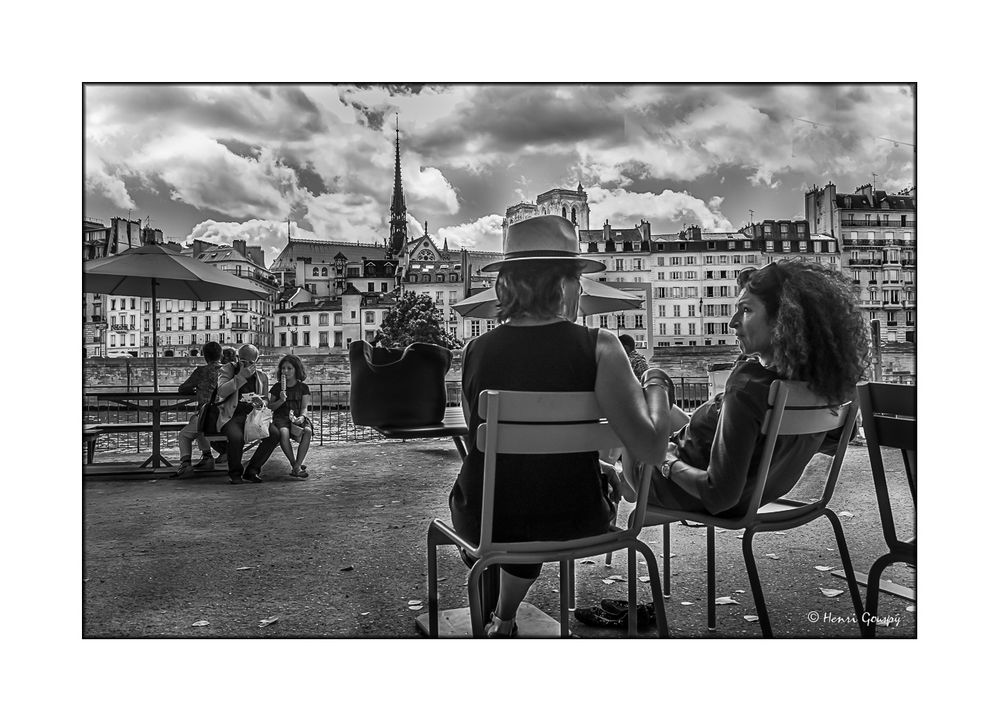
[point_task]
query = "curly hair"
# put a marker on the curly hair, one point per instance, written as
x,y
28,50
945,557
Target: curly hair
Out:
x,y
296,362
533,288
818,334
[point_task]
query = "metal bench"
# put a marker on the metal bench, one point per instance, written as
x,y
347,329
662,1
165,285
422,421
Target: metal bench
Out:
x,y
90,434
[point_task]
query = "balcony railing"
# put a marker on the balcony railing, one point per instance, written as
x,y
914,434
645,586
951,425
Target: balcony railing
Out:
x,y
239,306
876,222
239,327
908,262
864,262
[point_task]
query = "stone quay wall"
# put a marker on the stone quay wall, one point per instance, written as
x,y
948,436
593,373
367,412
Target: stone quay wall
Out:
x,y
691,362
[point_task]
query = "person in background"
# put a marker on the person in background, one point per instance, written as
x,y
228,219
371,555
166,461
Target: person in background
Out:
x,y
636,359
289,400
221,447
539,347
241,389
202,383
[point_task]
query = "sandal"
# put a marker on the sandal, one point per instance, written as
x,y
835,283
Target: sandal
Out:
x,y
300,474
500,629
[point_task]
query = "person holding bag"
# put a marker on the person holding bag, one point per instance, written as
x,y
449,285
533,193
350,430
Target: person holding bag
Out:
x,y
289,400
241,389
202,383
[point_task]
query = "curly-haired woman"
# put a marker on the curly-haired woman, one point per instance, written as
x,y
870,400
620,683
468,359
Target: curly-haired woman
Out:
x,y
796,321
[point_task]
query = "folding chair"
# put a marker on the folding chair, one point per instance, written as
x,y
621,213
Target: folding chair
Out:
x,y
889,415
792,410
520,422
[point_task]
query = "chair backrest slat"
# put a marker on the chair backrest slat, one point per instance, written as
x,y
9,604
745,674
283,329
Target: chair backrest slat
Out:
x,y
536,407
519,422
550,438
794,410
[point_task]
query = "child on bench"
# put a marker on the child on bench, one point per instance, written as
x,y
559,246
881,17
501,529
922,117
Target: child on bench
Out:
x,y
201,382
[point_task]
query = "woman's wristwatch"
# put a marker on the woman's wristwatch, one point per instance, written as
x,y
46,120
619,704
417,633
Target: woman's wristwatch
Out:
x,y
667,466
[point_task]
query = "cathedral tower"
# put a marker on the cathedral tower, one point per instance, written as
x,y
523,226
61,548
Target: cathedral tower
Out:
x,y
397,210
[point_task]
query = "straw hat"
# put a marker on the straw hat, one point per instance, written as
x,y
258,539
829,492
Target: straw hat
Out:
x,y
543,238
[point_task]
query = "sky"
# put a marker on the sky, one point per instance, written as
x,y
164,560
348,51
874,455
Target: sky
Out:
x,y
224,162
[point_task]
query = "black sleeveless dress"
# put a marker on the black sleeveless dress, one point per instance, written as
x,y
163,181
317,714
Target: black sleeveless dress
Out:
x,y
538,497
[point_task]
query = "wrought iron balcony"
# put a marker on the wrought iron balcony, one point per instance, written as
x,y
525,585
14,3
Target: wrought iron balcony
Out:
x,y
876,223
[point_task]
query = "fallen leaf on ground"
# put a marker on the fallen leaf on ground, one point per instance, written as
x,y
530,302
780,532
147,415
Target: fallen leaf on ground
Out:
x,y
268,622
772,555
751,617
830,549
846,514
201,623
911,608
686,604
739,591
831,592
608,581
416,607
725,600
822,569
415,601
379,506
365,614
243,569
644,579
588,561
778,533
617,577
441,579
348,568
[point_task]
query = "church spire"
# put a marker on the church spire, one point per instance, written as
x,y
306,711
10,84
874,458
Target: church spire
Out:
x,y
397,210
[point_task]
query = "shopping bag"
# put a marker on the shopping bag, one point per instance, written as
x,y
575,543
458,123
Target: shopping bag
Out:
x,y
256,426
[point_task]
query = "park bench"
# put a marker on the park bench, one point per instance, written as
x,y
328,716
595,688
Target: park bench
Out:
x,y
92,431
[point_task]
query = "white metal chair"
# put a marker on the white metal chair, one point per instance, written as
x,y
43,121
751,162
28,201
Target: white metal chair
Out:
x,y
792,410
519,422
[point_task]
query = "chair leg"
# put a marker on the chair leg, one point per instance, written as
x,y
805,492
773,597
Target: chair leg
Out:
x,y
666,559
475,600
710,545
845,557
633,617
655,588
871,594
571,601
565,572
758,592
432,589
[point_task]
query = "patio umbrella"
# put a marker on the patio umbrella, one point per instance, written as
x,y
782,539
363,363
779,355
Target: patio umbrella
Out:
x,y
156,271
596,297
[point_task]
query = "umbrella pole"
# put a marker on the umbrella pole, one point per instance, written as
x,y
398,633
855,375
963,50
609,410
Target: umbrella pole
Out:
x,y
152,283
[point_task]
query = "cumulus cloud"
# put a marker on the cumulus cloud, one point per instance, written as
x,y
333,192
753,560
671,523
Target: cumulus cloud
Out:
x,y
669,208
482,234
272,236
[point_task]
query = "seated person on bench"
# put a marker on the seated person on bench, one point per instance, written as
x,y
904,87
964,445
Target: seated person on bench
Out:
x,y
201,382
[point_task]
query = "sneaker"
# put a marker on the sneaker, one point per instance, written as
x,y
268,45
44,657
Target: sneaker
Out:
x,y
236,479
645,613
252,476
207,463
186,471
600,617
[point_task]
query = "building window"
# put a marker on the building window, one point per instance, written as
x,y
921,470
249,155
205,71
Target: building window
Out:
x,y
677,329
369,317
474,329
305,320
324,320
305,338
603,320
338,339
338,319
295,338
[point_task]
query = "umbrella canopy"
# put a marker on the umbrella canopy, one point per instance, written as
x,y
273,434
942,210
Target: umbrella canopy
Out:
x,y
129,274
155,271
596,297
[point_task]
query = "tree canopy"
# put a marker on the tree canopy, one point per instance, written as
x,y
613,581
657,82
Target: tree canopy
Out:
x,y
415,319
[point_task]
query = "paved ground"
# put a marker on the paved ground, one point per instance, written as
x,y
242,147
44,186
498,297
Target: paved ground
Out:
x,y
341,554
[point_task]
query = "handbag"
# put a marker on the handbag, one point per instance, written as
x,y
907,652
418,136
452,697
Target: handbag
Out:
x,y
208,415
393,387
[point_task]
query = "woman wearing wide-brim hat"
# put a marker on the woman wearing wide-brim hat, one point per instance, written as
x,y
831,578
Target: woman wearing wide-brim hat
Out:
x,y
539,347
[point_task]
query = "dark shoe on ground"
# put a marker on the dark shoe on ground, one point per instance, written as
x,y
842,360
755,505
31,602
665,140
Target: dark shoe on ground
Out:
x,y
300,474
498,629
185,471
599,617
645,613
236,479
252,476
207,463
